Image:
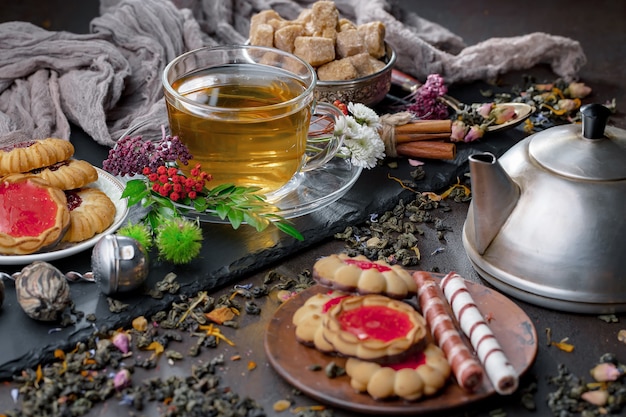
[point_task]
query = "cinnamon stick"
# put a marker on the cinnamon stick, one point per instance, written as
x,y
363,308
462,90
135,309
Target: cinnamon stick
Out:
x,y
412,137
429,150
425,126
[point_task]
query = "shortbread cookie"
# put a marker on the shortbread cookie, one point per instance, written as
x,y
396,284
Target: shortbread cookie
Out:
x,y
68,174
374,327
91,212
425,375
359,274
308,320
26,156
34,215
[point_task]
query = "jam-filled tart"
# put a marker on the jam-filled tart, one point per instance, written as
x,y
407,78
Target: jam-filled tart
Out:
x,y
34,214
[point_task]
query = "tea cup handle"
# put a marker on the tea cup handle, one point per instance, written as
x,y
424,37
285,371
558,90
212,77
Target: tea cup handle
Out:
x,y
322,143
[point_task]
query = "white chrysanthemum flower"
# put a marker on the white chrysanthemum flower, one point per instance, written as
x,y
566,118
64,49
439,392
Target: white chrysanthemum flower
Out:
x,y
365,147
364,115
341,126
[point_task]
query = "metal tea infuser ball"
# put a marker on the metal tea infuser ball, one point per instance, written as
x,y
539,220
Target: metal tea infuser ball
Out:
x,y
119,264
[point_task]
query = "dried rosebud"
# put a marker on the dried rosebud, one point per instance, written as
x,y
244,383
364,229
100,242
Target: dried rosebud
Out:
x,y
599,397
474,132
485,109
121,379
568,104
121,340
503,114
577,90
605,372
459,129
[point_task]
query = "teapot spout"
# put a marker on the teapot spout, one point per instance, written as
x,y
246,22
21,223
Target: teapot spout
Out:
x,y
494,195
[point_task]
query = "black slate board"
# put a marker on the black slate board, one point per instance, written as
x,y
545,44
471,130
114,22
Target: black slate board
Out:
x,y
227,255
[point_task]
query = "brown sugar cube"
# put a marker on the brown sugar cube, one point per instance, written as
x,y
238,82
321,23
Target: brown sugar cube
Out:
x,y
373,34
366,64
264,17
262,35
345,24
322,20
349,43
315,50
338,70
285,37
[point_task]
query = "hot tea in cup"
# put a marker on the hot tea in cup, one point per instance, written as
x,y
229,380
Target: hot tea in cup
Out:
x,y
244,113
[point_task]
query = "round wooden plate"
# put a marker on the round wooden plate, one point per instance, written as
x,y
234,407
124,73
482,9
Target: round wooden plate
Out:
x,y
512,327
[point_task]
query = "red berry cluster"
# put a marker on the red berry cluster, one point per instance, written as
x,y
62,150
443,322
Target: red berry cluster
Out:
x,y
169,182
341,106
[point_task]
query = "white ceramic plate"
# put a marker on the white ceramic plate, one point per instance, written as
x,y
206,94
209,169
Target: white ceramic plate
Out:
x,y
109,185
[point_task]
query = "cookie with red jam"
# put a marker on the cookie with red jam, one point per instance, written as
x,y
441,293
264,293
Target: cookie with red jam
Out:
x,y
26,156
35,215
91,212
69,174
358,274
421,376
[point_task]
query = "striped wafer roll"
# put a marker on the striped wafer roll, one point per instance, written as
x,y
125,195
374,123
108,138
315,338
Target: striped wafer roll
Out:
x,y
467,370
499,370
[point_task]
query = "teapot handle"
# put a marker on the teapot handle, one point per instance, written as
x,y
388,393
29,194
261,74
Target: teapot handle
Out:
x,y
594,118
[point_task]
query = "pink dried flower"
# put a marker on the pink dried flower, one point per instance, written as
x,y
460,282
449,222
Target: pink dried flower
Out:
x,y
121,340
475,132
485,109
503,114
605,372
577,90
459,129
121,379
598,397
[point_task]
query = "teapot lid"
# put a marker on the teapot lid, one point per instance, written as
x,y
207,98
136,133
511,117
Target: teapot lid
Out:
x,y
597,152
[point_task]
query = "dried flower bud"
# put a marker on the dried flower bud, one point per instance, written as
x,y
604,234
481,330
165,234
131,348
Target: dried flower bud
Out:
x,y
474,132
605,372
485,109
503,114
121,340
568,104
459,129
121,379
598,397
577,90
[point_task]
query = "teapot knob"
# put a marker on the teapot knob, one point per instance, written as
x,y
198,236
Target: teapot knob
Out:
x,y
594,118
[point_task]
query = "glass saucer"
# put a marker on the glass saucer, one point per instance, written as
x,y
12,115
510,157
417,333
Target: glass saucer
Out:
x,y
307,191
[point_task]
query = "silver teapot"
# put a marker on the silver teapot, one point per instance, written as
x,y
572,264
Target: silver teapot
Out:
x,y
547,222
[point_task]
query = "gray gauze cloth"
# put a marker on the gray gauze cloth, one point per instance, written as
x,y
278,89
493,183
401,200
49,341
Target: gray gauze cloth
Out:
x,y
110,79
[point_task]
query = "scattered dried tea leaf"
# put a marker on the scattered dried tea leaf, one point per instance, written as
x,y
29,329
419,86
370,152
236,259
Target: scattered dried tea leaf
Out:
x,y
609,318
116,306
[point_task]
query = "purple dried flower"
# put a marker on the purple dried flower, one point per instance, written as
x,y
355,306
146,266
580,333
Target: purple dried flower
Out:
x,y
425,103
121,340
121,379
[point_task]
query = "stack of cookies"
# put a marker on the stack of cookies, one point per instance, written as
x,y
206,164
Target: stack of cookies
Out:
x,y
389,348
48,197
